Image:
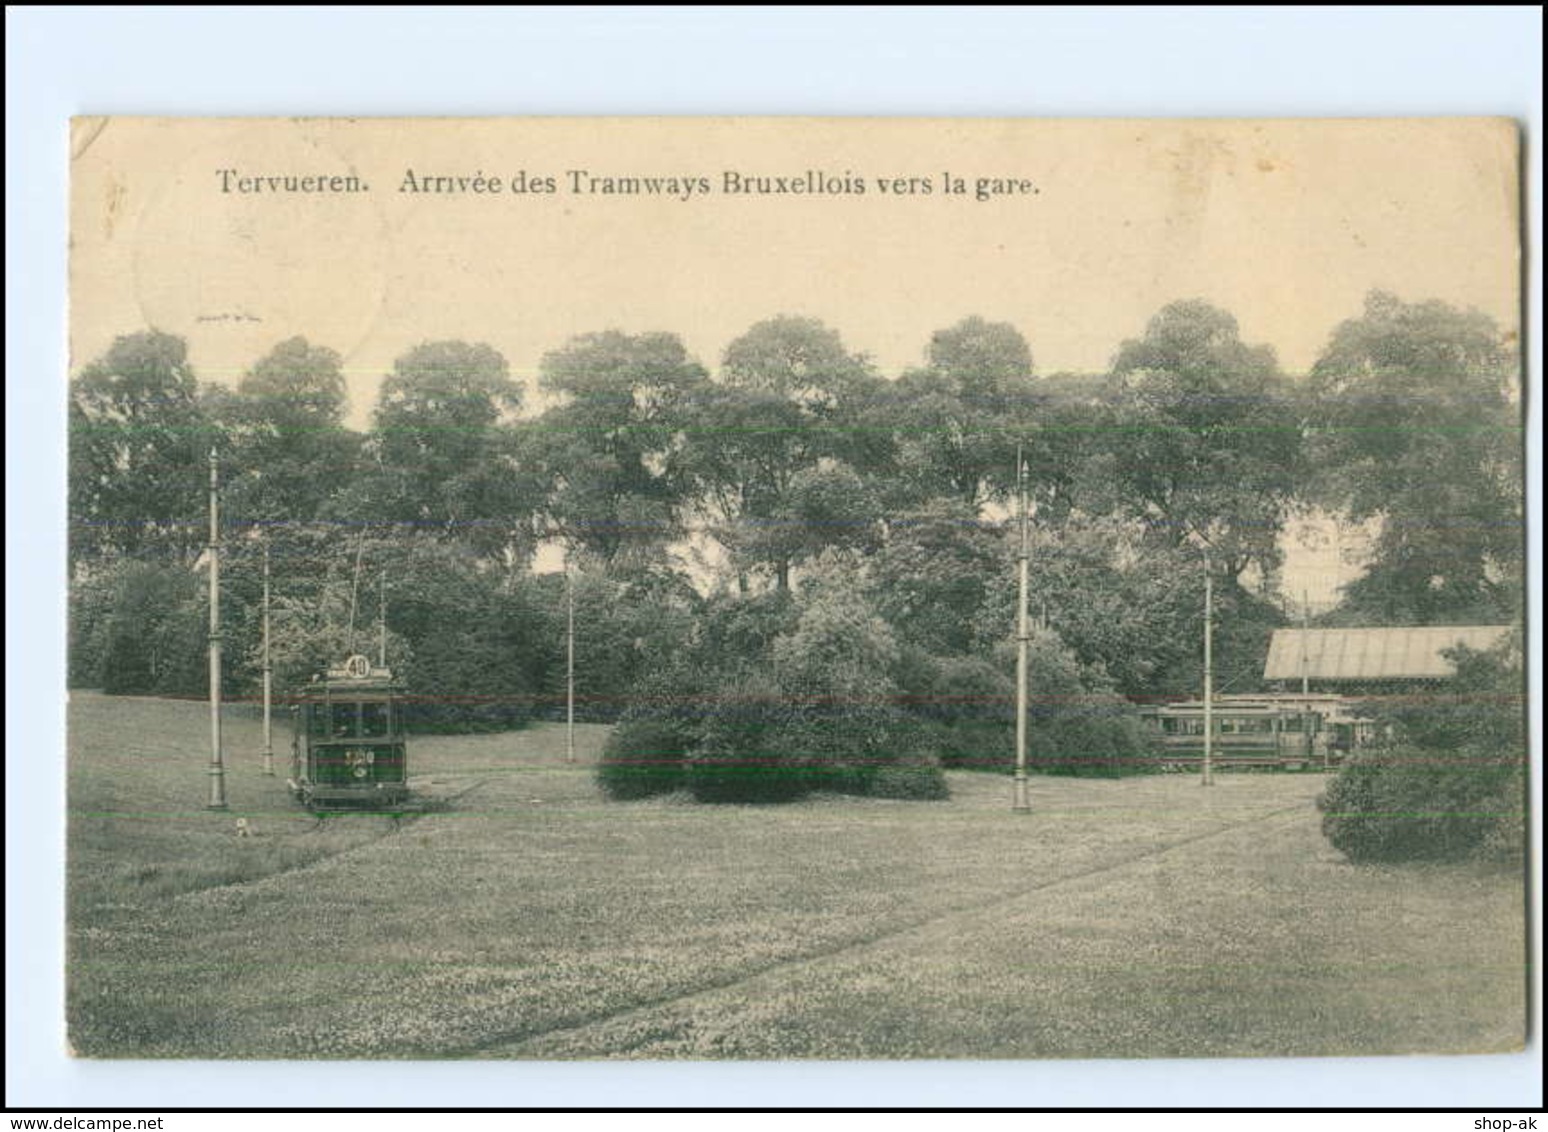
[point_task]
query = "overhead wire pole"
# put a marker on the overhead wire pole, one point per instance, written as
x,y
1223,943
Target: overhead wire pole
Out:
x,y
1307,745
569,697
1022,803
1209,673
268,674
217,756
1305,661
381,620
1306,712
354,593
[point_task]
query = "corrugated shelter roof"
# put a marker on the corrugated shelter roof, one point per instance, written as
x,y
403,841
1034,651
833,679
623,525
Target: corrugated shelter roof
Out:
x,y
1373,654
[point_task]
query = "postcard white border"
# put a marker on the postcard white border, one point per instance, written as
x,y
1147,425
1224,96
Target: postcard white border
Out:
x,y
980,62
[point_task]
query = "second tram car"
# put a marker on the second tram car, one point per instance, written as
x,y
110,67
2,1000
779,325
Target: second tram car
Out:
x,y
1284,731
349,746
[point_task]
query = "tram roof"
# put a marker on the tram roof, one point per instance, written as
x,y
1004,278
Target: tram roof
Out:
x,y
1408,653
356,677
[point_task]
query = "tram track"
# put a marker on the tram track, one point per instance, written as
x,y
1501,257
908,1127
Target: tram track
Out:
x,y
399,819
515,1040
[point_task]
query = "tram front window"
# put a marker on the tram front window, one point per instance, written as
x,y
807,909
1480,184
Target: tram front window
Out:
x,y
342,723
373,720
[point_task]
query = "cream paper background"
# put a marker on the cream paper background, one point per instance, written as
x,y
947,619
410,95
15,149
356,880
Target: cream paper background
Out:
x,y
1286,224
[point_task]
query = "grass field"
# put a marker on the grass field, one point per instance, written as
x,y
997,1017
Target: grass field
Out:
x,y
529,918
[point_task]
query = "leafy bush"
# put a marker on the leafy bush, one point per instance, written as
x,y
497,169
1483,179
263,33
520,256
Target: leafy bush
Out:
x,y
646,754
968,745
629,625
744,752
965,709
866,749
810,708
155,639
812,711
1506,840
738,629
1104,739
960,709
91,606
1414,803
913,773
838,649
458,686
1455,783
763,747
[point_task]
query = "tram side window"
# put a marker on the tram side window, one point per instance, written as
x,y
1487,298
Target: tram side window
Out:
x,y
317,721
373,720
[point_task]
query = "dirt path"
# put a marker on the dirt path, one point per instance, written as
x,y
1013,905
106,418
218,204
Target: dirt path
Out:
x,y
604,1035
1203,947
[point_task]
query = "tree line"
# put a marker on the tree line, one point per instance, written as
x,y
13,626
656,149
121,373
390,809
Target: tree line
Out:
x,y
712,516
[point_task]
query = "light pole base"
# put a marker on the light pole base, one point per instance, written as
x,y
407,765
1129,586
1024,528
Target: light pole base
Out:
x,y
1022,803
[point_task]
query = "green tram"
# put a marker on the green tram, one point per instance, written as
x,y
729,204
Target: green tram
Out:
x,y
348,746
1283,731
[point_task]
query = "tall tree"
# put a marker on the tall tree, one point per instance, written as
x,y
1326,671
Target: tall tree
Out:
x,y
1209,439
1416,423
798,359
768,442
609,452
447,456
984,359
959,417
138,450
933,574
290,448
1134,613
154,639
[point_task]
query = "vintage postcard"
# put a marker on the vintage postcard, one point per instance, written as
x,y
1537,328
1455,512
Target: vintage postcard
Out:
x,y
795,589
